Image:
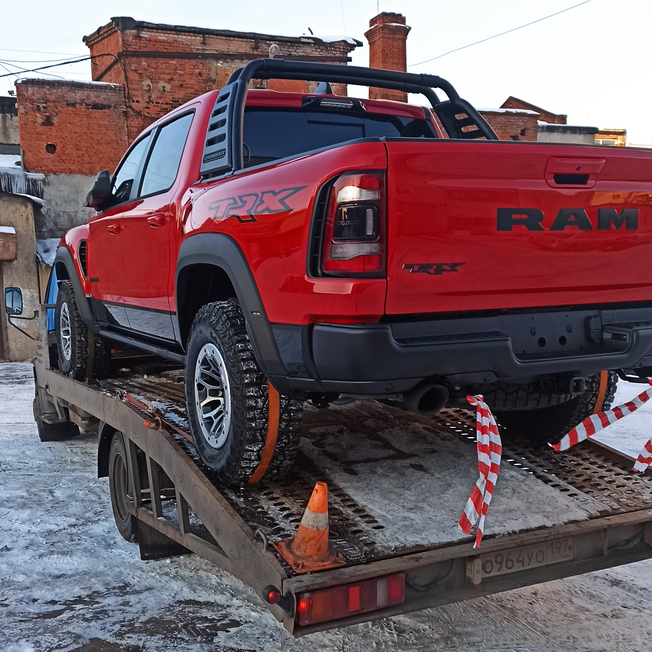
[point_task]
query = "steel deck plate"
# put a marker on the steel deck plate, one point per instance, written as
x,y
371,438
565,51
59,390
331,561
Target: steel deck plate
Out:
x,y
398,482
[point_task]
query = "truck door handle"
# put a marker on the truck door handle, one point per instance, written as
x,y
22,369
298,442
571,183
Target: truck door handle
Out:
x,y
156,220
114,229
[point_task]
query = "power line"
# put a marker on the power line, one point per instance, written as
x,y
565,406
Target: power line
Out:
x,y
40,60
509,31
69,54
54,65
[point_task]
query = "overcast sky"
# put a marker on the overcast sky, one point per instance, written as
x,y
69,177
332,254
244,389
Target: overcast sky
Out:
x,y
591,62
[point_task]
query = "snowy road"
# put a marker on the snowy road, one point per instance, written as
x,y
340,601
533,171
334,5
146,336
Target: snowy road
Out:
x,y
68,582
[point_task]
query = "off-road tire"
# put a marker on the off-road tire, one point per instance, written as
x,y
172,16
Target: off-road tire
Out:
x,y
74,362
119,489
550,424
222,324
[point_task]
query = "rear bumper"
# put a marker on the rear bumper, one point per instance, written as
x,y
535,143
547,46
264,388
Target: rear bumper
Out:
x,y
388,358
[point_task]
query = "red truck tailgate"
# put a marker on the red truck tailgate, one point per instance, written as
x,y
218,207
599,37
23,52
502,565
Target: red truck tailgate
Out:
x,y
484,225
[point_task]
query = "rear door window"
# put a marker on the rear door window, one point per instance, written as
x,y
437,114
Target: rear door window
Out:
x,y
163,164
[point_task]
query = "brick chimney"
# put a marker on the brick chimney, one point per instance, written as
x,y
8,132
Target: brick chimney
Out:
x,y
387,36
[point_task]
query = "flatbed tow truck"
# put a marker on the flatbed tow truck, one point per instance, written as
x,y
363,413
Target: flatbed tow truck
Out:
x,y
397,484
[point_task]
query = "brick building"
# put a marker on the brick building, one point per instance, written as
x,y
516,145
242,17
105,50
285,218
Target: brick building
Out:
x,y
71,127
164,66
387,36
512,124
544,115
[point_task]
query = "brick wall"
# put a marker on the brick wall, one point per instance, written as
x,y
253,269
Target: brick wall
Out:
x,y
164,66
513,124
544,116
71,127
387,36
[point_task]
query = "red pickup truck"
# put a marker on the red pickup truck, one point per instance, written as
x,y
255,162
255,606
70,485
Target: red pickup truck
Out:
x,y
288,247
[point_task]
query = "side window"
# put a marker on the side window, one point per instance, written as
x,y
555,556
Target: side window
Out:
x,y
123,179
163,163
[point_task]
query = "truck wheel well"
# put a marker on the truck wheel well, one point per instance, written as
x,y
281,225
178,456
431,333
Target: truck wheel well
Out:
x,y
198,285
62,272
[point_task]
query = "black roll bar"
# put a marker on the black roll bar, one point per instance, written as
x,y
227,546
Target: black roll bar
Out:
x,y
223,149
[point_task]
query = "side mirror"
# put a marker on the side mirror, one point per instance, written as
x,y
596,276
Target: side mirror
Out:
x,y
100,194
13,301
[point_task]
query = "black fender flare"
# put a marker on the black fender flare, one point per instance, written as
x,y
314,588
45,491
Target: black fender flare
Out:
x,y
220,250
64,257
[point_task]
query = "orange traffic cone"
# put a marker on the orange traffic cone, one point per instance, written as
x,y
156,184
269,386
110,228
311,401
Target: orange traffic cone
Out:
x,y
309,550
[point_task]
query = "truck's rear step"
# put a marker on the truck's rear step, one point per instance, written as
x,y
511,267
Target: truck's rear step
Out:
x,y
397,485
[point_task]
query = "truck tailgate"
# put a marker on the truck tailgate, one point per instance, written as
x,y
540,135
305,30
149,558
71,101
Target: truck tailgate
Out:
x,y
485,225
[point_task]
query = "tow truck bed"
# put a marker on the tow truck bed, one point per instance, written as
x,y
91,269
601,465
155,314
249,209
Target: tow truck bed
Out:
x,y
397,485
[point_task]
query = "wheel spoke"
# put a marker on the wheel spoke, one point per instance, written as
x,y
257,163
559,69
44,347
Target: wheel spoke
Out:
x,y
212,396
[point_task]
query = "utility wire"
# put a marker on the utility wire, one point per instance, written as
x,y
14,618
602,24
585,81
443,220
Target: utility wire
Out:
x,y
54,65
509,31
62,59
36,52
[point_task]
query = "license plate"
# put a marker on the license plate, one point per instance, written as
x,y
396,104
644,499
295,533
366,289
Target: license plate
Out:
x,y
514,560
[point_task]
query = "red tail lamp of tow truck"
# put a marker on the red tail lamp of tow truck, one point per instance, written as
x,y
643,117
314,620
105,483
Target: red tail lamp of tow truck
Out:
x,y
350,599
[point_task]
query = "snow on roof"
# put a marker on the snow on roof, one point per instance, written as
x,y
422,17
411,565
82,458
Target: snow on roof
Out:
x,y
520,111
46,250
334,39
15,181
10,161
66,81
7,229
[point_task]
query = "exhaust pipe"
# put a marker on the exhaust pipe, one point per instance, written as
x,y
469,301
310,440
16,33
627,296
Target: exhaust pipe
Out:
x,y
426,398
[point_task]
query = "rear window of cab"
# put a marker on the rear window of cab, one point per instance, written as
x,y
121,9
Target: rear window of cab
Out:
x,y
273,133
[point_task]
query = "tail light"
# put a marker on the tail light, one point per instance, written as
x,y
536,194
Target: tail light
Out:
x,y
350,599
355,229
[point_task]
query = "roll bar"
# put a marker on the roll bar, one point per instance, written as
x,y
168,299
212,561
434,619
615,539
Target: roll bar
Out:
x,y
223,147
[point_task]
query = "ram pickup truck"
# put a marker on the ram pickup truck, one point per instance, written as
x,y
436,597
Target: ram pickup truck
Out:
x,y
288,247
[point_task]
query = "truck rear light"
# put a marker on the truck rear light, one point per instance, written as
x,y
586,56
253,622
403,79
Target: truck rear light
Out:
x,y
342,601
355,228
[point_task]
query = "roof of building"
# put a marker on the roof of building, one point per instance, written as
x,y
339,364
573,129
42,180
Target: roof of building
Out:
x,y
566,129
14,180
126,23
516,111
533,107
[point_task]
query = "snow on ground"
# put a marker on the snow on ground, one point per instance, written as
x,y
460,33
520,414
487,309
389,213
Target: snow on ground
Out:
x,y
630,434
69,583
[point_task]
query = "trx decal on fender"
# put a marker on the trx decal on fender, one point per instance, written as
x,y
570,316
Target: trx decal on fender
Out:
x,y
531,219
434,269
246,207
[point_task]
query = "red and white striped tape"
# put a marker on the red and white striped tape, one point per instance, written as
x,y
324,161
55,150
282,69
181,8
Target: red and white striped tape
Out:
x,y
601,420
489,453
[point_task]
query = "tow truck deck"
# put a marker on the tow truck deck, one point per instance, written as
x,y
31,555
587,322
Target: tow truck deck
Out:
x,y
397,484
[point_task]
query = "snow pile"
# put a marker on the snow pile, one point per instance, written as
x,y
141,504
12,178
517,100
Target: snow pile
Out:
x,y
11,161
46,250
